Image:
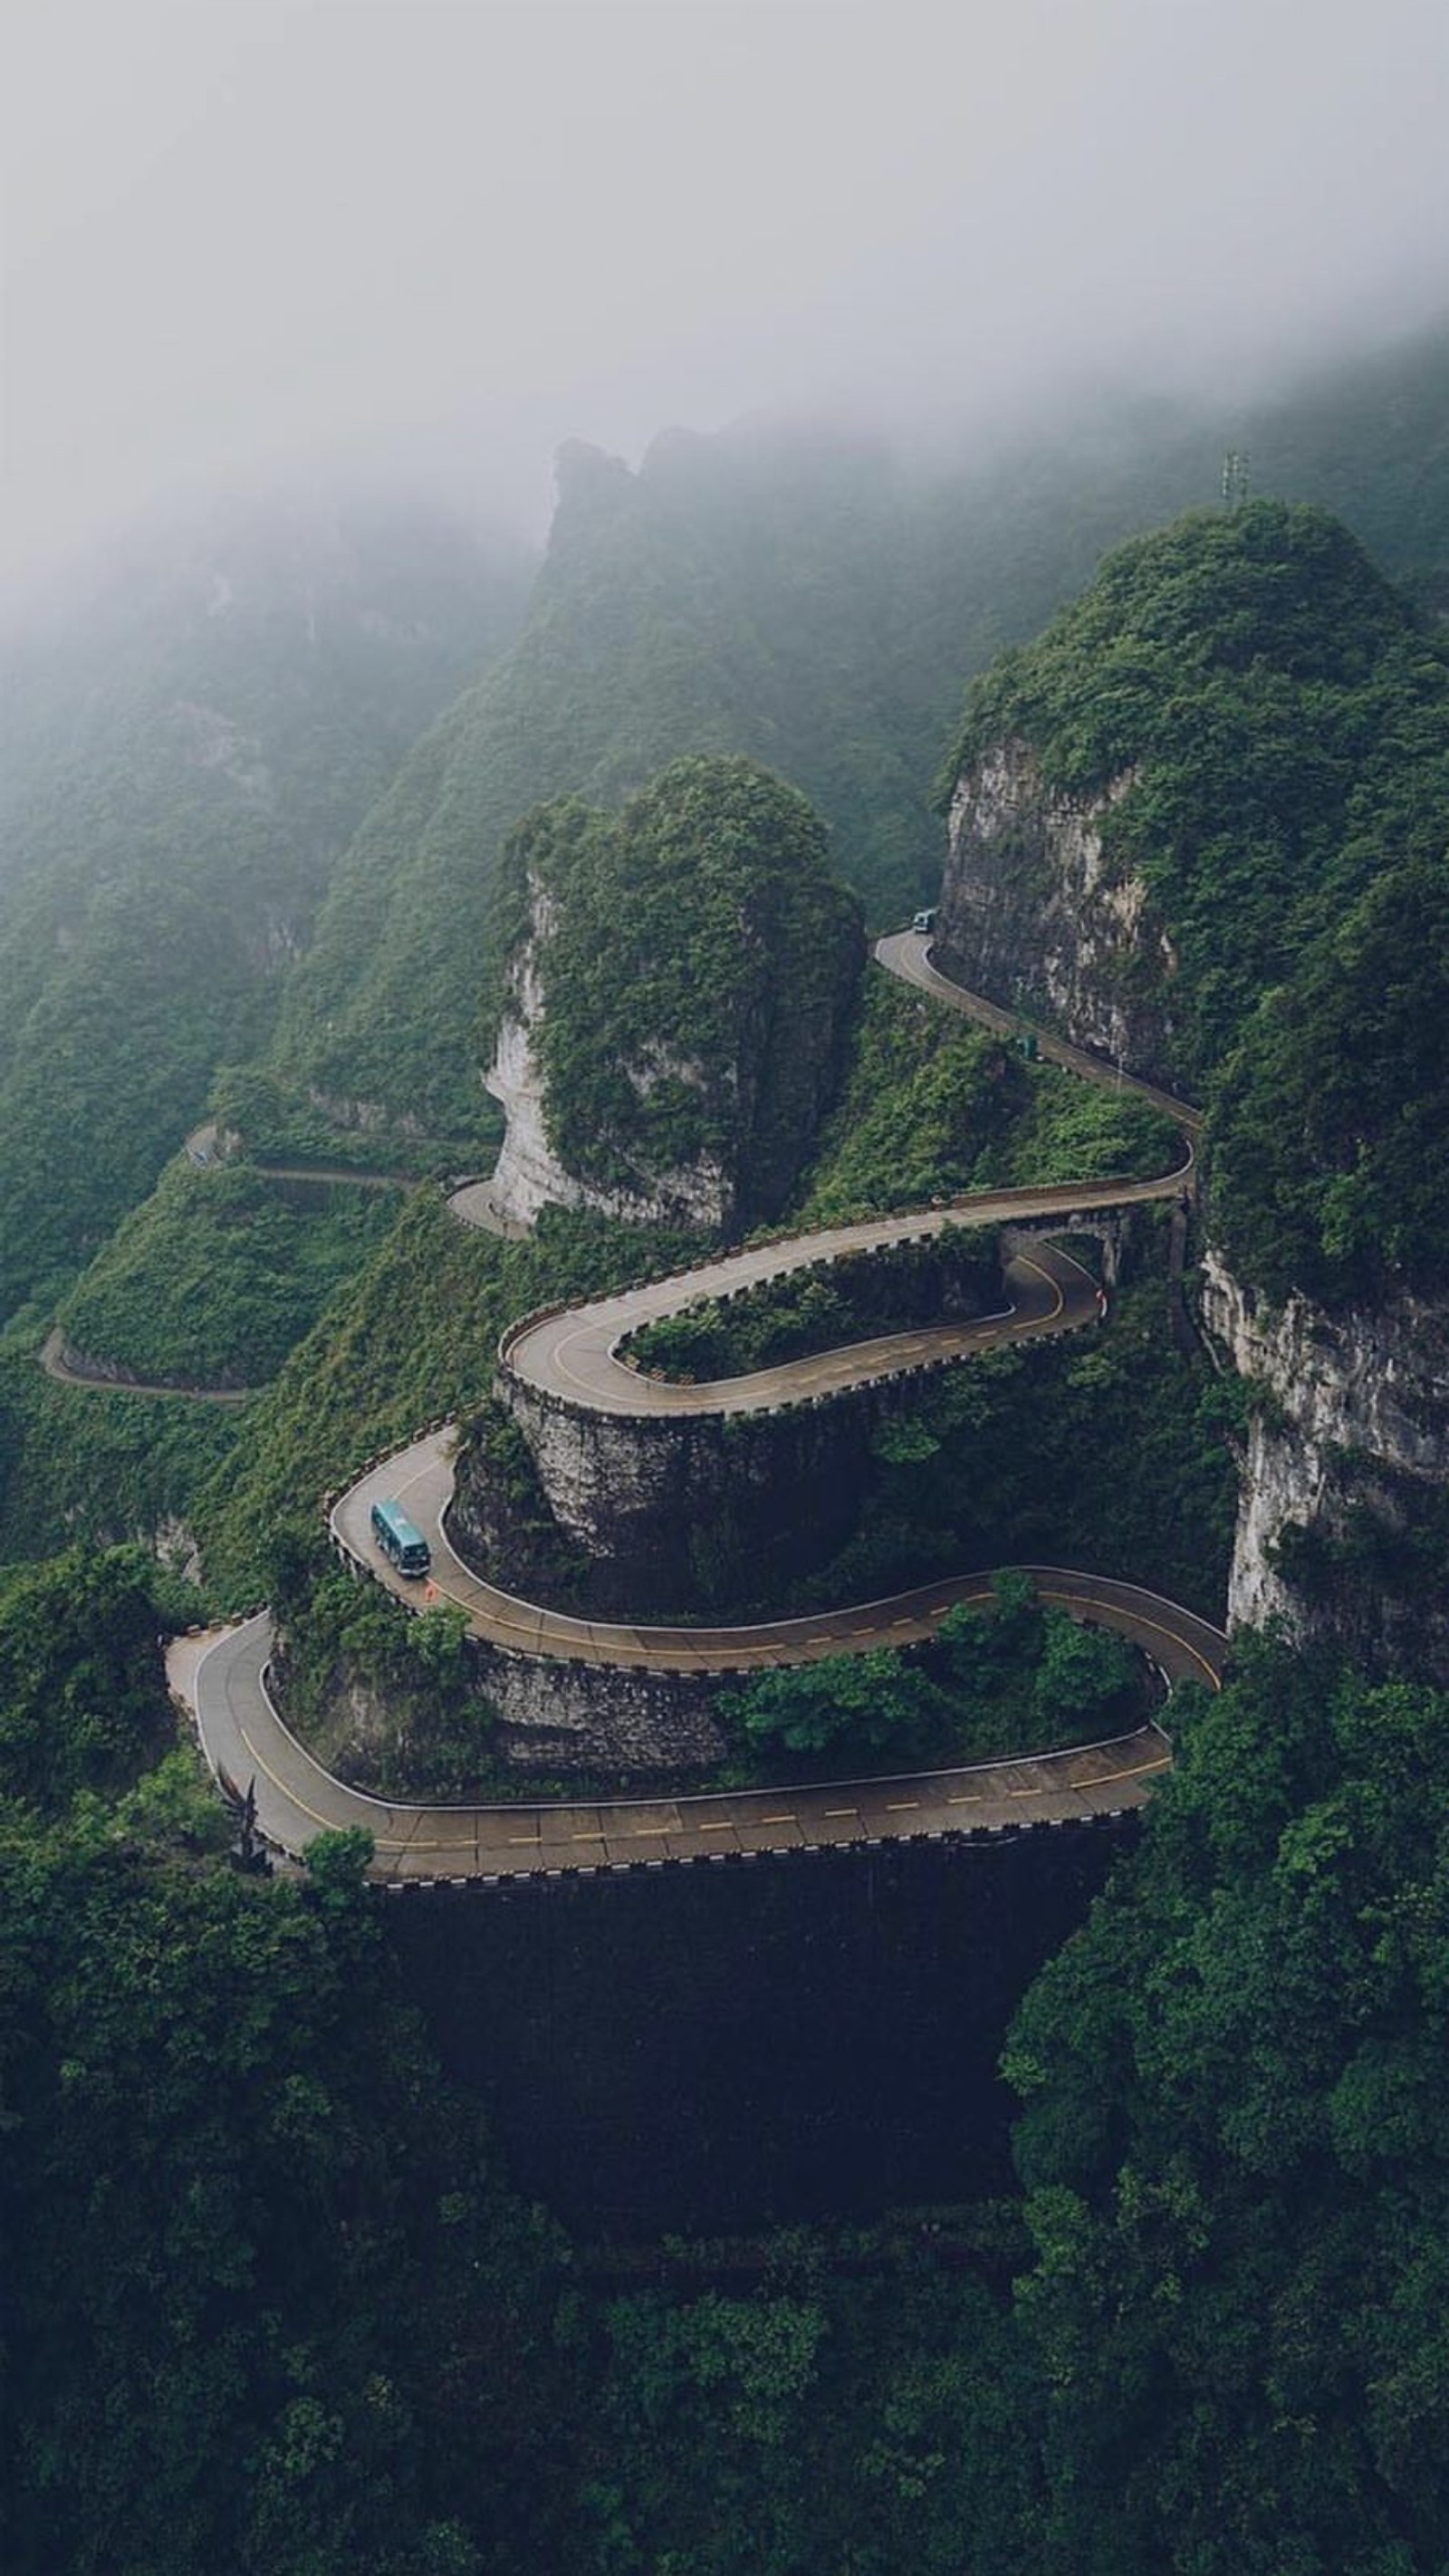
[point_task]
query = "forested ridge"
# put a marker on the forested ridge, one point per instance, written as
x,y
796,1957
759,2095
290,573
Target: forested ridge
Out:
x,y
188,748
812,602
273,2303
697,969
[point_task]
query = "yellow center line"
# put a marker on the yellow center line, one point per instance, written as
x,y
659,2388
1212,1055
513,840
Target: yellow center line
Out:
x,y
1174,1636
1130,1771
720,1825
842,1811
901,1806
779,1820
736,1656
381,1841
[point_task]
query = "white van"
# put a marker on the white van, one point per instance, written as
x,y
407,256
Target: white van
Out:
x,y
925,923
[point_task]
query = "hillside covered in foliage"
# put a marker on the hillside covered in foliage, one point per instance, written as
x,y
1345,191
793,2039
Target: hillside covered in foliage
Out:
x,y
187,748
214,1278
815,603
1282,716
275,2304
271,2302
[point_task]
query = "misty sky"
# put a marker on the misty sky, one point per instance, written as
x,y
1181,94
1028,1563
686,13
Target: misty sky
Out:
x,y
239,237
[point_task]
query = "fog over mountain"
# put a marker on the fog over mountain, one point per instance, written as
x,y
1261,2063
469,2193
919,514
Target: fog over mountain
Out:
x,y
351,241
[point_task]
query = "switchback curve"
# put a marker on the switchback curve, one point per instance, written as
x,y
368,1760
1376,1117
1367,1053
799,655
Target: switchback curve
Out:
x,y
60,1364
561,1352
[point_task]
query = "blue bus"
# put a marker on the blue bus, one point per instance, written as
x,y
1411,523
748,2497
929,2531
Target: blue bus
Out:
x,y
402,1544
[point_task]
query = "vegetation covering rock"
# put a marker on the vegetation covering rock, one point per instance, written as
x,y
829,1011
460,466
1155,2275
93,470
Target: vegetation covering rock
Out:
x,y
805,601
1018,1677
1279,710
696,967
269,2303
1276,718
933,1106
958,1272
220,1272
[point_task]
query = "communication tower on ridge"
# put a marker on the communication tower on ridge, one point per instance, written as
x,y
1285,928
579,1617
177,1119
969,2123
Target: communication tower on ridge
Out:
x,y
1235,478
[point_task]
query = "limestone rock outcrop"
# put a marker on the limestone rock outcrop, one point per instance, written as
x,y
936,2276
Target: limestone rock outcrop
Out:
x,y
1033,912
1346,1475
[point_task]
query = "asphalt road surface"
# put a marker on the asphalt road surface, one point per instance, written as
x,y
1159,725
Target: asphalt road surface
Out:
x,y
249,1747
575,1354
907,953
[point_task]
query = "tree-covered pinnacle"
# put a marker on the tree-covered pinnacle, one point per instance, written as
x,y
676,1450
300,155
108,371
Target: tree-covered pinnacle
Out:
x,y
697,964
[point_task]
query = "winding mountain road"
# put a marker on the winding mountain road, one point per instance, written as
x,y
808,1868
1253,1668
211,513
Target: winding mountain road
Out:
x,y
574,1354
56,1364
247,1743
908,953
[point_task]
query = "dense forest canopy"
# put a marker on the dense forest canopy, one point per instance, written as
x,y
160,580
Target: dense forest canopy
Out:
x,y
270,2306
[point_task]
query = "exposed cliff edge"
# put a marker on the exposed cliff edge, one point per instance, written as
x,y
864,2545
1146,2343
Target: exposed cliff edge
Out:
x,y
1345,1497
1200,825
672,990
1204,761
1034,914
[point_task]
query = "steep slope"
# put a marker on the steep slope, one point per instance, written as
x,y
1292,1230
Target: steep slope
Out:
x,y
1189,776
814,604
732,596
1205,823
187,746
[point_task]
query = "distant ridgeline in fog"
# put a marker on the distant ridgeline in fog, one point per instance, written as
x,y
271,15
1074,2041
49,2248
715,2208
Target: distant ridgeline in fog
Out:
x,y
811,603
186,760
182,763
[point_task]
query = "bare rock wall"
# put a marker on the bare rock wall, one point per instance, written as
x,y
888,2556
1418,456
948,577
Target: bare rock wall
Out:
x,y
1034,914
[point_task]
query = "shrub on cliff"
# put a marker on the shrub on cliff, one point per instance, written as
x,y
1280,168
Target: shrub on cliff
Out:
x,y
697,964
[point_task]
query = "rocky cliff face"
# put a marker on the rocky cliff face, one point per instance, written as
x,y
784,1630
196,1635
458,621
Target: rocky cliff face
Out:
x,y
686,1516
1343,1527
1345,1507
529,1173
1032,911
550,1717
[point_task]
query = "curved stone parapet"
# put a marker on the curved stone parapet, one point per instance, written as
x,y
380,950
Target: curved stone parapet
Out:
x,y
251,1750
565,1362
